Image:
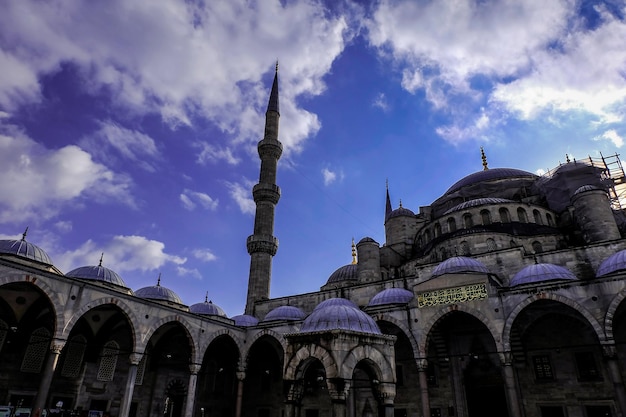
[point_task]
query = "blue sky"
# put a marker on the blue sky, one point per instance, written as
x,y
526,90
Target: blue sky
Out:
x,y
129,127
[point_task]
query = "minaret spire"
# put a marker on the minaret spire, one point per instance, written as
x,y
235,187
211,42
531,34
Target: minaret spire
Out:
x,y
388,208
262,245
484,158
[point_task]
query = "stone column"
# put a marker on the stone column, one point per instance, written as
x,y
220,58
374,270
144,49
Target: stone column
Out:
x,y
610,355
130,384
386,393
191,389
338,389
294,398
241,376
510,384
422,367
46,376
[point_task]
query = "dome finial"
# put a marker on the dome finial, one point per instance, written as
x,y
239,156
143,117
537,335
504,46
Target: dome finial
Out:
x,y
101,256
24,234
354,261
277,65
159,280
400,203
567,158
484,158
206,297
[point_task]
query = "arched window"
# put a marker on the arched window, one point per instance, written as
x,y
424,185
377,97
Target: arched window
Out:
x,y
485,215
491,245
521,215
537,216
38,346
437,230
505,217
74,354
467,220
537,248
464,247
550,220
451,225
108,361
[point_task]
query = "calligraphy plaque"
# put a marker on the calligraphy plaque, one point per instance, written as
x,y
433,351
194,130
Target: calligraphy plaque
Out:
x,y
452,295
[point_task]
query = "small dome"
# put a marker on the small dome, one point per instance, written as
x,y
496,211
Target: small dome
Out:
x,y
245,320
339,317
400,212
157,292
285,313
541,272
97,273
614,263
207,308
391,296
345,273
459,265
24,249
489,175
478,202
367,240
335,302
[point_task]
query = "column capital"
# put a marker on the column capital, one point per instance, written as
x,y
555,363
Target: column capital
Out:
x,y
386,392
194,368
609,350
135,358
57,346
506,358
422,364
338,388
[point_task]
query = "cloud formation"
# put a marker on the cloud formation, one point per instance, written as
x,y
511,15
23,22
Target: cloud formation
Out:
x,y
192,199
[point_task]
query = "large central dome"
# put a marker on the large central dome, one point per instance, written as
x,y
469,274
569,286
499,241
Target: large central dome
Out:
x,y
489,175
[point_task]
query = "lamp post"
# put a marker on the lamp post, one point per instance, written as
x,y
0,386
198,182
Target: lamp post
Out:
x,y
201,411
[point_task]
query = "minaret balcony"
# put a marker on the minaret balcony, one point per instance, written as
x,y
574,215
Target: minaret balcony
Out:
x,y
262,243
270,148
266,192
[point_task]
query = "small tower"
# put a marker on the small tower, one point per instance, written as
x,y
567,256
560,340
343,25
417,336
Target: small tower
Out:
x,y
262,245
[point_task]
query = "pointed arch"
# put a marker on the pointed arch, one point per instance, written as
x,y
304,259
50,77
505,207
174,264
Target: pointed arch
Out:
x,y
174,318
610,313
375,358
265,332
311,351
201,351
401,324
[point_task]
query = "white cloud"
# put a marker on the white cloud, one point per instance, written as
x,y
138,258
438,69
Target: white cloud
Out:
x,y
242,196
130,145
381,102
63,226
204,255
188,272
331,176
612,136
192,199
38,181
211,153
177,59
121,254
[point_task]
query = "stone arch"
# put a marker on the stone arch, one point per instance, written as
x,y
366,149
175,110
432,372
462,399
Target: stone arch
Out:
x,y
508,325
307,352
127,310
266,332
141,346
610,314
402,326
495,333
53,297
202,348
379,362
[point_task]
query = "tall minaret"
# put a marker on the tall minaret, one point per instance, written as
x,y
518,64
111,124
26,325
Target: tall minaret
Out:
x,y
262,245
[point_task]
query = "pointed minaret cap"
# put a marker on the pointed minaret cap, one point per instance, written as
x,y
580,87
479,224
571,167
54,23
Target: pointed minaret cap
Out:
x,y
388,208
273,103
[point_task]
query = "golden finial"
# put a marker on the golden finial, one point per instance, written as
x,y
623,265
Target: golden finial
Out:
x,y
159,280
353,253
484,158
567,158
101,256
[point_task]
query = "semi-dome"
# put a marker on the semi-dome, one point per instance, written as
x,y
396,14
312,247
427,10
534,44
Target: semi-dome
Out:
x,y
339,317
478,202
97,273
345,273
459,265
391,296
157,292
24,249
614,263
245,320
540,273
207,308
489,175
290,313
335,302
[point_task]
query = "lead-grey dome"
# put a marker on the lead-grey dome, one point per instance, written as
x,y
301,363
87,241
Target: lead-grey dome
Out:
x,y
459,265
245,320
345,273
541,272
478,202
339,317
157,292
614,263
391,296
97,273
289,313
400,212
207,308
489,175
24,249
335,302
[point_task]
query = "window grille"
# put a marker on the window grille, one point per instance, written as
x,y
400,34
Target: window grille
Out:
x,y
74,357
108,361
36,350
141,370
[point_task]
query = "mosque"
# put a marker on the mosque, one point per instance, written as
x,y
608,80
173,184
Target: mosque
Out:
x,y
503,297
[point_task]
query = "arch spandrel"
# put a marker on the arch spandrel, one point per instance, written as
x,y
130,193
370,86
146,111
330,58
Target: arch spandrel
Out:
x,y
304,355
591,320
463,308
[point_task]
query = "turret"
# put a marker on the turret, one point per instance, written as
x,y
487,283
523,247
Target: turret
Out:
x,y
368,266
262,245
400,228
592,209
